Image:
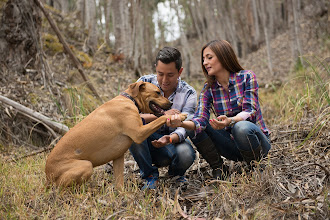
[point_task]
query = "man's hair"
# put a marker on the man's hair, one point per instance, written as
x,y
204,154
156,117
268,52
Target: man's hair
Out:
x,y
168,55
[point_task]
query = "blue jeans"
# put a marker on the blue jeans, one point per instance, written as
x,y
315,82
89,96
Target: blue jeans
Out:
x,y
244,136
179,157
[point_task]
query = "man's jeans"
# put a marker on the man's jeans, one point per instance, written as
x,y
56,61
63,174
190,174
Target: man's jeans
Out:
x,y
179,157
244,136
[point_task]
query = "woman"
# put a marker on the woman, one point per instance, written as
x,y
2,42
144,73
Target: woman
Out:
x,y
239,132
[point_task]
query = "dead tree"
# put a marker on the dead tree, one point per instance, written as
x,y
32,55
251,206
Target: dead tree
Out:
x,y
19,35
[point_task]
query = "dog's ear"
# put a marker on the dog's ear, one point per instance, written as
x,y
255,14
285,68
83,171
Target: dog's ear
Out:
x,y
135,88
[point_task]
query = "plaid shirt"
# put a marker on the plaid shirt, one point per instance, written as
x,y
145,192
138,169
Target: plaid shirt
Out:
x,y
242,99
184,99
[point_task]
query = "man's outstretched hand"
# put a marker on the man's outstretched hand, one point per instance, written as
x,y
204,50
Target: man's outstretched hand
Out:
x,y
161,142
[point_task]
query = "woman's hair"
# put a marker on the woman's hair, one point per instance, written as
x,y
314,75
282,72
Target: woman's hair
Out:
x,y
226,56
168,55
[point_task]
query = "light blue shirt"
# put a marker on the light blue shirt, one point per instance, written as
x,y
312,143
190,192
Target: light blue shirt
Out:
x,y
184,99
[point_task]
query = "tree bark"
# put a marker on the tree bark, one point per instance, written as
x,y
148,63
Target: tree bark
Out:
x,y
264,25
256,23
107,4
137,37
117,24
20,35
92,27
295,9
184,41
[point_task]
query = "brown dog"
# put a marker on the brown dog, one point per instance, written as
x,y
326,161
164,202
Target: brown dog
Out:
x,y
106,134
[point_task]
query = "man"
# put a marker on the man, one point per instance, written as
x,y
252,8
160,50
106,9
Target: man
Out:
x,y
168,146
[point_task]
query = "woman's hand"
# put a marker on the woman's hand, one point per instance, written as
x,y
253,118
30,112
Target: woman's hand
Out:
x,y
221,122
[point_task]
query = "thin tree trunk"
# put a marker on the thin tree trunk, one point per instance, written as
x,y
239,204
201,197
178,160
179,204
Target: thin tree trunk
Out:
x,y
220,18
118,25
107,4
200,19
137,38
271,14
92,27
194,21
184,40
149,33
232,25
264,24
256,23
295,9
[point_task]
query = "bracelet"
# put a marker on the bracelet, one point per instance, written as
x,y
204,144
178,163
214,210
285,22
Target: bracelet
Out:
x,y
232,122
171,140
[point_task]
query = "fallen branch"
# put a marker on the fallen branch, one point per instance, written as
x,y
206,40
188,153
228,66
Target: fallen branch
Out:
x,y
58,127
67,49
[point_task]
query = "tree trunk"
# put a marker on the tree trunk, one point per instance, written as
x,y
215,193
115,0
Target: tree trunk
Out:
x,y
198,7
117,24
221,22
183,39
256,23
20,35
107,4
295,9
61,5
194,21
149,33
92,27
137,34
264,25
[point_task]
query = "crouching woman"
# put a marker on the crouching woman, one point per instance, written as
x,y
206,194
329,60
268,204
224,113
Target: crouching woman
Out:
x,y
239,132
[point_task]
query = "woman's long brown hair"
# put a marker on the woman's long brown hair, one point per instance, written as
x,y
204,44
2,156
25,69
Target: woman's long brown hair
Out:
x,y
226,56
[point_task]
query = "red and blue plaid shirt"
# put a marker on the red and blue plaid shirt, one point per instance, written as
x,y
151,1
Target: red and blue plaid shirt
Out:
x,y
242,99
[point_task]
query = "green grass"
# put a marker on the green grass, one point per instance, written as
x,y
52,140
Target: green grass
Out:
x,y
306,93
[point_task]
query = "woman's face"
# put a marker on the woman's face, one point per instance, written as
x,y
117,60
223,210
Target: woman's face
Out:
x,y
211,62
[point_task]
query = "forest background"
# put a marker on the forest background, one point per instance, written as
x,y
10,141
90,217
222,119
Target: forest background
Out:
x,y
62,58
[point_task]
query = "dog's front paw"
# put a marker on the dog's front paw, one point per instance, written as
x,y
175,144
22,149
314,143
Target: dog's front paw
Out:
x,y
183,116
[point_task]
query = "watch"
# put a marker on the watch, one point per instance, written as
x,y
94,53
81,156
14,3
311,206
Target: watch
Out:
x,y
232,122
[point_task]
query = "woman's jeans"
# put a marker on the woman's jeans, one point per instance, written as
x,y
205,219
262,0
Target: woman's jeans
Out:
x,y
179,157
244,136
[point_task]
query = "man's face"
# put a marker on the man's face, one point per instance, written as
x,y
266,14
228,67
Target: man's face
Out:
x,y
167,76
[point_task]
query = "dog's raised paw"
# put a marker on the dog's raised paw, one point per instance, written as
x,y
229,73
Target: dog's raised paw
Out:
x,y
183,116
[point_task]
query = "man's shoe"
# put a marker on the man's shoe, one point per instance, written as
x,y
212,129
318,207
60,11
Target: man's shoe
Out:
x,y
150,183
181,179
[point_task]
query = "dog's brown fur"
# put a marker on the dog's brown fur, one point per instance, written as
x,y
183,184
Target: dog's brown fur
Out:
x,y
105,135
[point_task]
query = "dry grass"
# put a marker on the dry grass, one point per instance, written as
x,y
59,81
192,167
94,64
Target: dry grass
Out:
x,y
294,184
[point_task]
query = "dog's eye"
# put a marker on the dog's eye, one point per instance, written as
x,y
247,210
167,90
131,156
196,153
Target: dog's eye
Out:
x,y
158,93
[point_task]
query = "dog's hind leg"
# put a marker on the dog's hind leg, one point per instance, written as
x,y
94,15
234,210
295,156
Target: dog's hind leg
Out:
x,y
76,172
118,167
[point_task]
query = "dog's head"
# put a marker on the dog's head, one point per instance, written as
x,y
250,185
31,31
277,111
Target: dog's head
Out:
x,y
149,98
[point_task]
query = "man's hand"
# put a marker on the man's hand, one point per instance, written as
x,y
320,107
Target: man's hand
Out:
x,y
161,142
172,112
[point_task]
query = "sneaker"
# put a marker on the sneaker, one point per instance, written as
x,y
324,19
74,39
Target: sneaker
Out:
x,y
150,183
